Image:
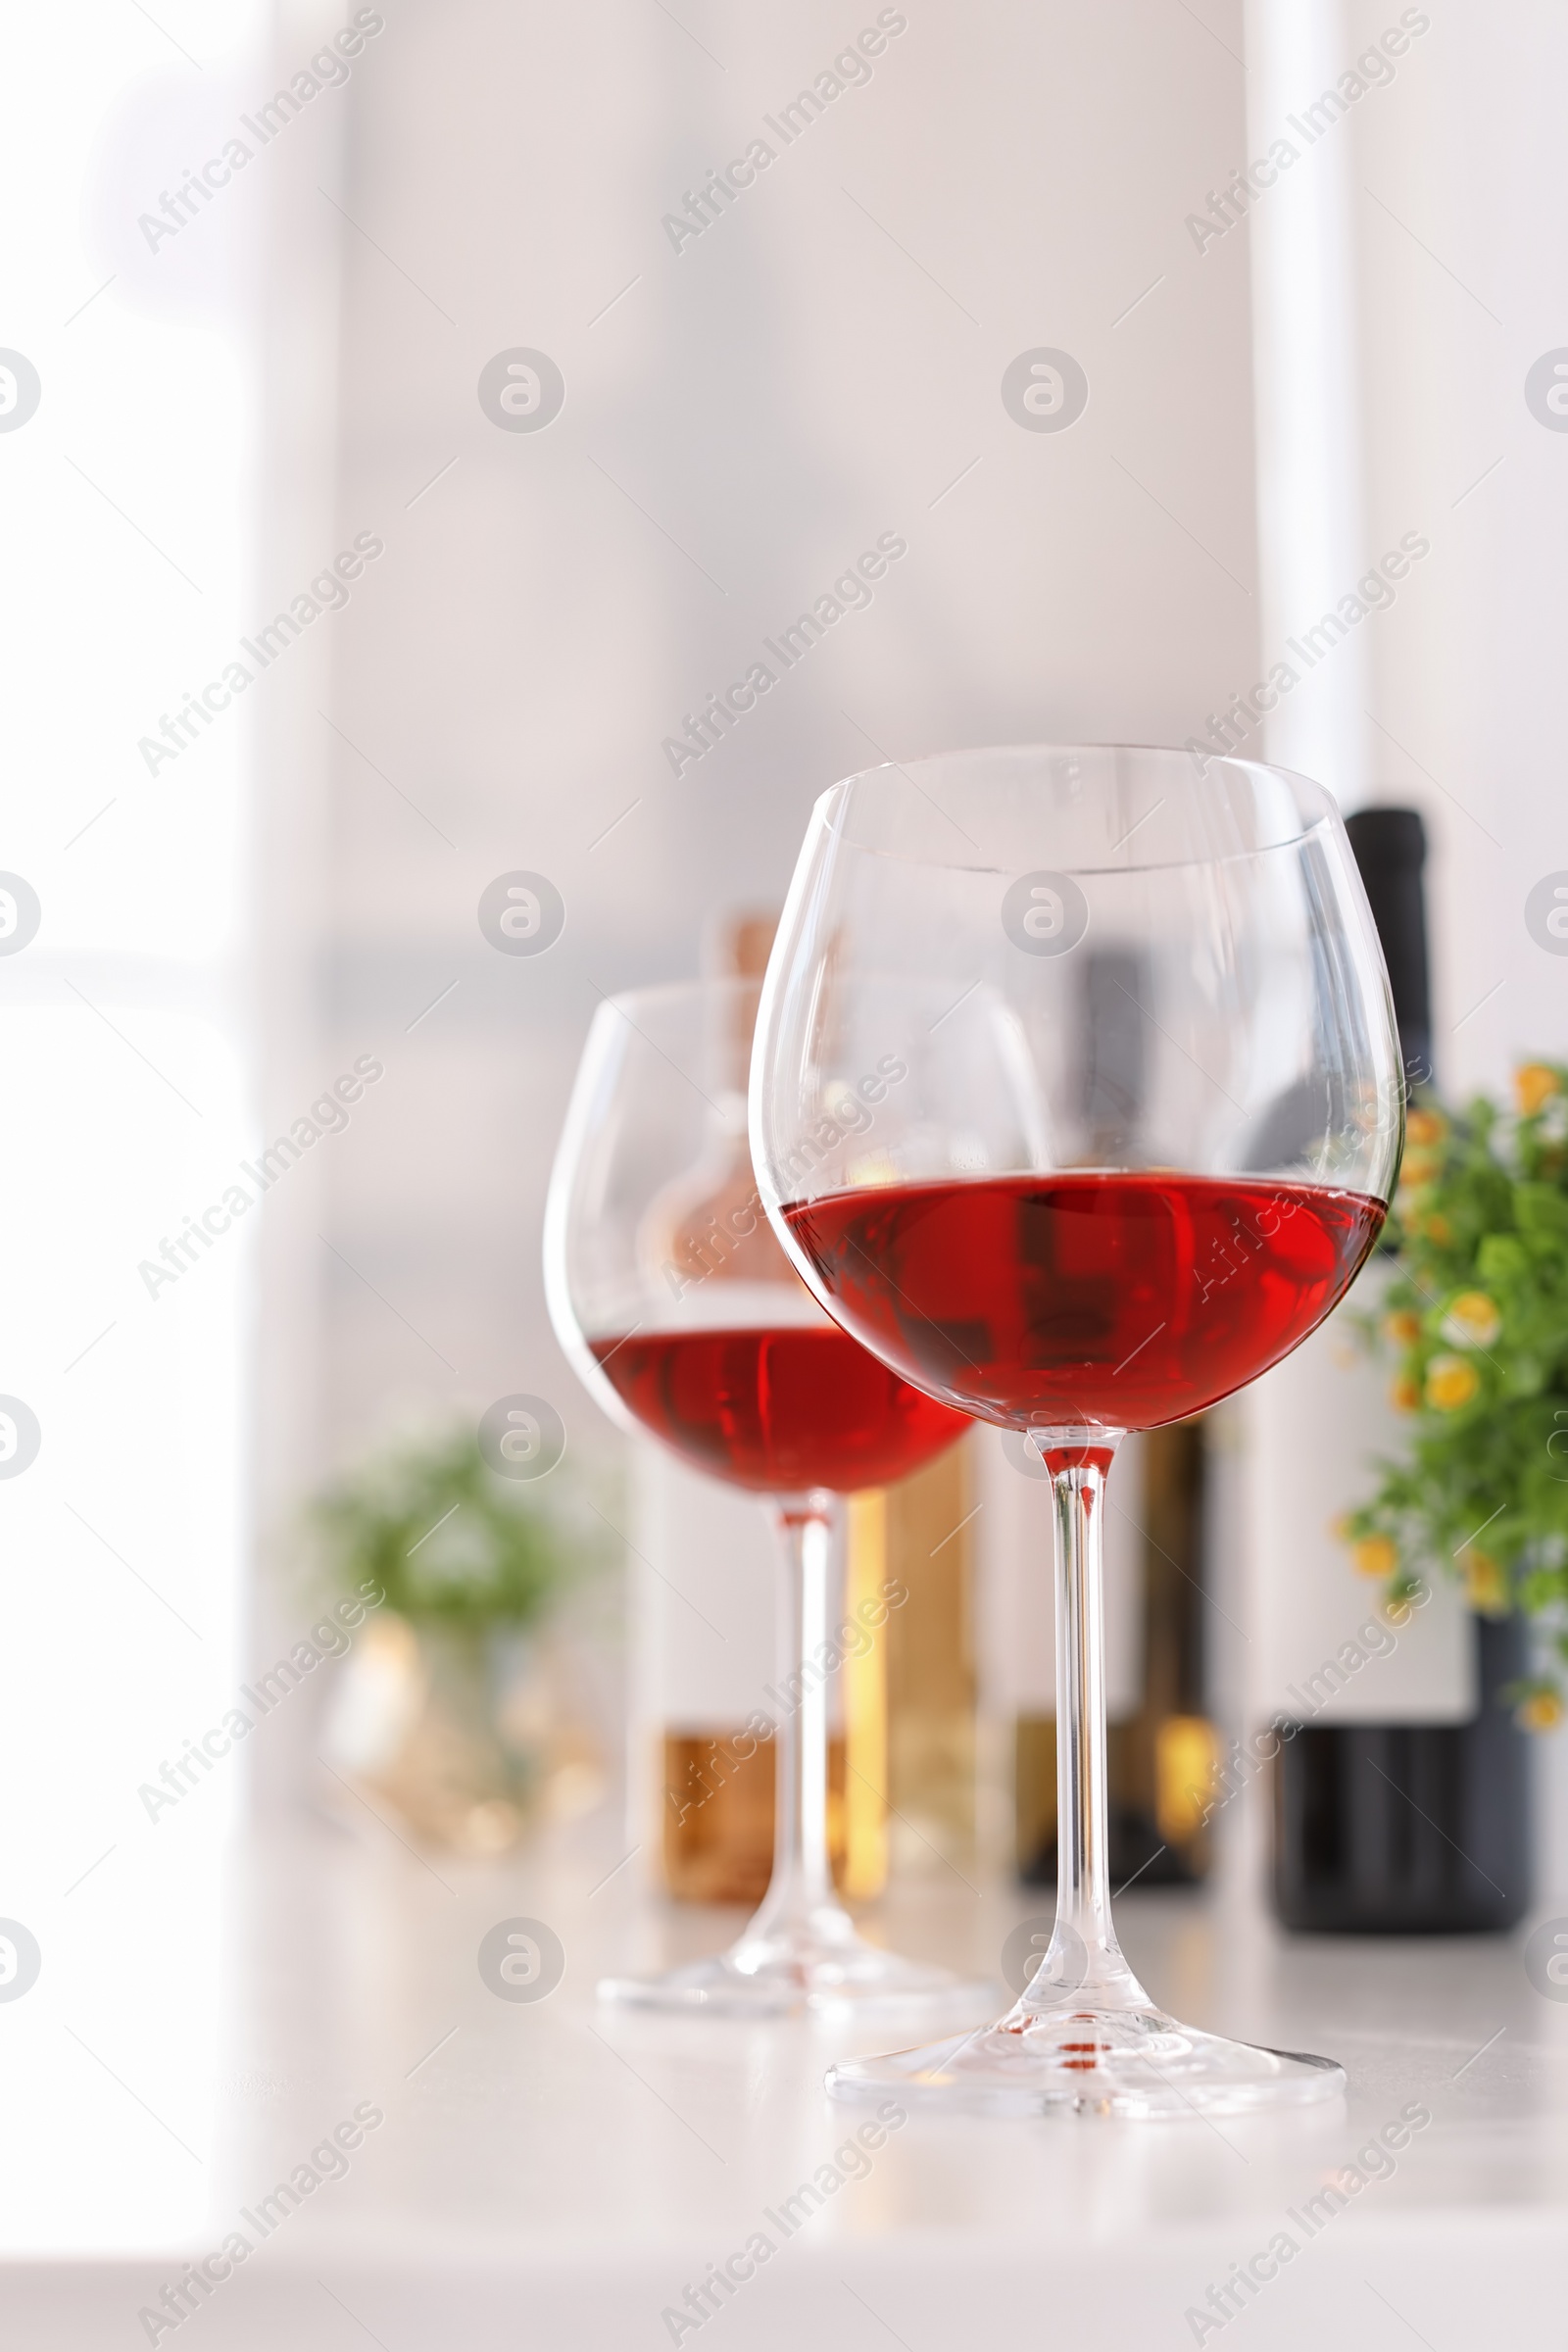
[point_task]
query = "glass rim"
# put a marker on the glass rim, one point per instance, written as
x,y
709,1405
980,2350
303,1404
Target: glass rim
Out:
x,y
654,995
1316,806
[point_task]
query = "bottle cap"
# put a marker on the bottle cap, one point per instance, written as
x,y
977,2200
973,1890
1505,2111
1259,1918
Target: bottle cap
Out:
x,y
1391,848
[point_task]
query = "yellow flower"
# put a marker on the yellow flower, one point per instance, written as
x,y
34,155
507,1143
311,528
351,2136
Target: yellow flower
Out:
x,y
1419,1167
1375,1555
1486,1588
1472,1321
1426,1127
1450,1382
1404,1393
1435,1227
1534,1085
1402,1327
1542,1711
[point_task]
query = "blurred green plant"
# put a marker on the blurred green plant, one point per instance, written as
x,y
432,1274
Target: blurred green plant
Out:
x,y
1477,1318
450,1543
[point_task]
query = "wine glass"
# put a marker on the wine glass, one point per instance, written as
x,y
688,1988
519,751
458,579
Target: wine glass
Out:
x,y
1095,1240
684,1317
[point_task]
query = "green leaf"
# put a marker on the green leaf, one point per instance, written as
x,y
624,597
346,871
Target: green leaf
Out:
x,y
1542,1211
448,1541
1502,1258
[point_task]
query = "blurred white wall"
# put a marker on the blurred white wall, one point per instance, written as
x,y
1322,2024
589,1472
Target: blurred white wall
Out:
x,y
132,441
1407,279
745,411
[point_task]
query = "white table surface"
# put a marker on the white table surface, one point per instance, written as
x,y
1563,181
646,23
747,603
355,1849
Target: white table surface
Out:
x,y
554,2176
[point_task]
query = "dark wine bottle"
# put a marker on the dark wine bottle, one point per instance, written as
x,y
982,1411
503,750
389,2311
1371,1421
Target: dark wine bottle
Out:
x,y
1399,1826
1161,1747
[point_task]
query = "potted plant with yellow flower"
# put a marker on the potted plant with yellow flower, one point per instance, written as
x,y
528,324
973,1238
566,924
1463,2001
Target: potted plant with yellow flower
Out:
x,y
1476,1320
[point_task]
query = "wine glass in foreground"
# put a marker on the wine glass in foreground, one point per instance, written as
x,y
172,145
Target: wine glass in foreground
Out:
x,y
684,1317
1154,1189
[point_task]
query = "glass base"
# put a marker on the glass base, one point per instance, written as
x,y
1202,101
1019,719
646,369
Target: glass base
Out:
x,y
1129,2062
795,1969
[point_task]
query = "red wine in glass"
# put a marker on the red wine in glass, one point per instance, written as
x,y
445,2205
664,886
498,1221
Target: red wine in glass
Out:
x,y
681,1312
778,1410
1124,1299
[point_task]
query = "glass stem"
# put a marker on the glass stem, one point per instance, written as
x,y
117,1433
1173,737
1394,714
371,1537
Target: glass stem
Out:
x,y
801,1891
1084,1964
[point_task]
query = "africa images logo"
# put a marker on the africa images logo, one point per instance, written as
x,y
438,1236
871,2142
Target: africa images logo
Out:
x,y
1045,390
521,390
